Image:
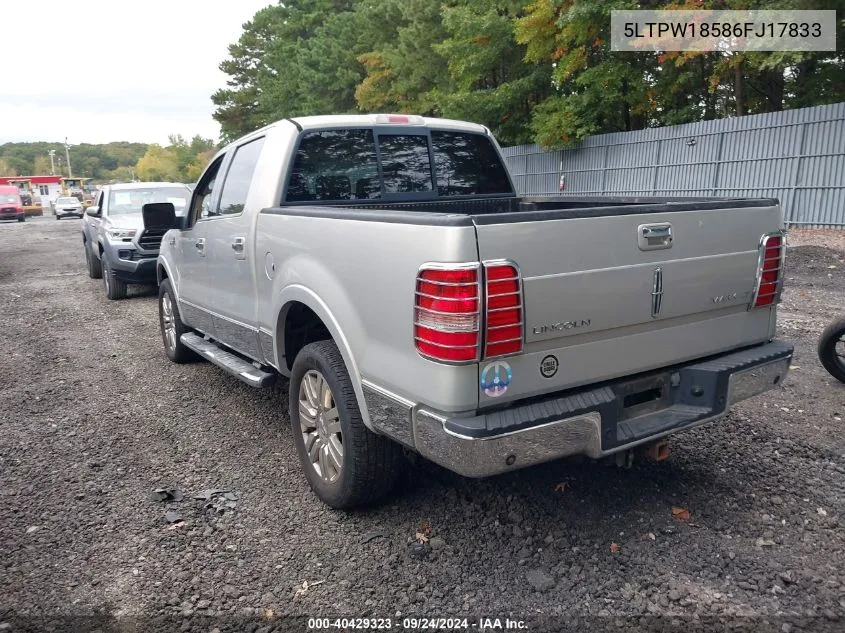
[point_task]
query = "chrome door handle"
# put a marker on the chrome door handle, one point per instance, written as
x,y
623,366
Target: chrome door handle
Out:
x,y
238,244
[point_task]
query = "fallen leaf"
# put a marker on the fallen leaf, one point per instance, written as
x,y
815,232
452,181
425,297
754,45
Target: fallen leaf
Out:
x,y
178,524
795,367
562,486
764,542
268,614
425,528
682,514
614,548
652,536
821,512
305,586
831,266
422,538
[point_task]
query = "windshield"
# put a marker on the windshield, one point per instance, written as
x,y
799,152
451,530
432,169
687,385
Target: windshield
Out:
x,y
67,201
124,201
9,198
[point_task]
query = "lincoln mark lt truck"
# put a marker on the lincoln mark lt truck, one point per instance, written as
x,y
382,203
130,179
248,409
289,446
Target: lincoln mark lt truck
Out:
x,y
385,265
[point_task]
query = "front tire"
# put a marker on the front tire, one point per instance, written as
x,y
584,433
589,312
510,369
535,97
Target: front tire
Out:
x,y
94,270
832,349
345,463
22,219
171,325
115,289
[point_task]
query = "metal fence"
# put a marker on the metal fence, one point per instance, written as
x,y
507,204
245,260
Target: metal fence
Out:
x,y
797,156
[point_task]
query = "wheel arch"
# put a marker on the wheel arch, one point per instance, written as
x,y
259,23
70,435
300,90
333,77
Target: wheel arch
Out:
x,y
299,301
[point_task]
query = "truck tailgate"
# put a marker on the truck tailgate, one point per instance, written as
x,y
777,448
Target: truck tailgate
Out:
x,y
628,291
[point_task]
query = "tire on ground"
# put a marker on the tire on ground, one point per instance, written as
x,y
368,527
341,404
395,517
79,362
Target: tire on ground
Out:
x,y
115,289
94,269
371,463
179,352
827,349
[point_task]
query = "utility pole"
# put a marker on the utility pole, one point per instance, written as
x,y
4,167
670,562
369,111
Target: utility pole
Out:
x,y
67,154
51,154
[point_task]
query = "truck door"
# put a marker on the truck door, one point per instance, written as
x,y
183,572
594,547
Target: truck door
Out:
x,y
230,258
191,248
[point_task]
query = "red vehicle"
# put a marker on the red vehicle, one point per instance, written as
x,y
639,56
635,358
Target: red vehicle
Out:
x,y
11,206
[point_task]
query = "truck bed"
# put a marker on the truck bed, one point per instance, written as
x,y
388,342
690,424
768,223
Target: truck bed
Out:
x,y
591,298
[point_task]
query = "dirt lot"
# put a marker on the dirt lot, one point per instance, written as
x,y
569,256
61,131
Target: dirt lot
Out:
x,y
94,418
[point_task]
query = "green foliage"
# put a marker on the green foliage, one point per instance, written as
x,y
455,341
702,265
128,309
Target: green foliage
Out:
x,y
537,70
180,161
87,160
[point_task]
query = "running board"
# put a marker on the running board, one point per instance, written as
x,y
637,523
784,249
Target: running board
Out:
x,y
229,362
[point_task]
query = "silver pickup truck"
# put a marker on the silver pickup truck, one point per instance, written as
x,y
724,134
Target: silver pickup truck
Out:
x,y
385,265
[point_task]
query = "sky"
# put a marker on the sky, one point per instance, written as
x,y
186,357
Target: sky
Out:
x,y
97,71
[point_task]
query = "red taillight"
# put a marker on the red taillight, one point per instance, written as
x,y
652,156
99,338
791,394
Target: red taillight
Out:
x,y
504,310
447,313
397,118
769,271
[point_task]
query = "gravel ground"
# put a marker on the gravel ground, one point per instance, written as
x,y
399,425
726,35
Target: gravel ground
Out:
x,y
94,418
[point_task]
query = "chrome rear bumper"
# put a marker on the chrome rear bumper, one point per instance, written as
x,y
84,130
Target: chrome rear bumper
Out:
x,y
562,425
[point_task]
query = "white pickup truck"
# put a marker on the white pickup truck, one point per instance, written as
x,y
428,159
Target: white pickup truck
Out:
x,y
385,265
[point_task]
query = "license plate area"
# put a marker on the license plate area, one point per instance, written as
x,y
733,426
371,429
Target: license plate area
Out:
x,y
643,396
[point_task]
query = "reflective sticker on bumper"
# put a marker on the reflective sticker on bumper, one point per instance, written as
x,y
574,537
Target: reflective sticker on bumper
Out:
x,y
496,378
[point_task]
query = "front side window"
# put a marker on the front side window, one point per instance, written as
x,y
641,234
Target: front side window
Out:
x,y
239,177
126,201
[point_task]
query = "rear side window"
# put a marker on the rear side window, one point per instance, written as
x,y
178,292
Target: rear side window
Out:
x,y
335,165
239,177
467,164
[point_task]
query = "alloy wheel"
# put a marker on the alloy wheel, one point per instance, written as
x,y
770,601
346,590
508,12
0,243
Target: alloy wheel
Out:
x,y
168,322
320,426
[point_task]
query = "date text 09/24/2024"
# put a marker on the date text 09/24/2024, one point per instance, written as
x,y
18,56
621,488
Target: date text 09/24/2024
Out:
x,y
417,624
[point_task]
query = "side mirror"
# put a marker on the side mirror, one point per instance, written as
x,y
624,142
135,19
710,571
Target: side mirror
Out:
x,y
159,215
94,212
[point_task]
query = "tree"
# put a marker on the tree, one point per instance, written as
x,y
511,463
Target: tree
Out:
x,y
538,70
159,164
6,169
492,83
41,166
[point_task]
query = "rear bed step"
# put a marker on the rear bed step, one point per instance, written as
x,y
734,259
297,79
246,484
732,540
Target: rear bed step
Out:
x,y
231,363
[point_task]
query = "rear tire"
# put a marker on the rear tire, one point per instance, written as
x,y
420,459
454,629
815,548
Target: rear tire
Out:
x,y
833,336
331,420
171,325
115,289
23,219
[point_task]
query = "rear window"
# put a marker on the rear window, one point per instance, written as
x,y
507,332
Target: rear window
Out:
x,y
359,164
467,164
